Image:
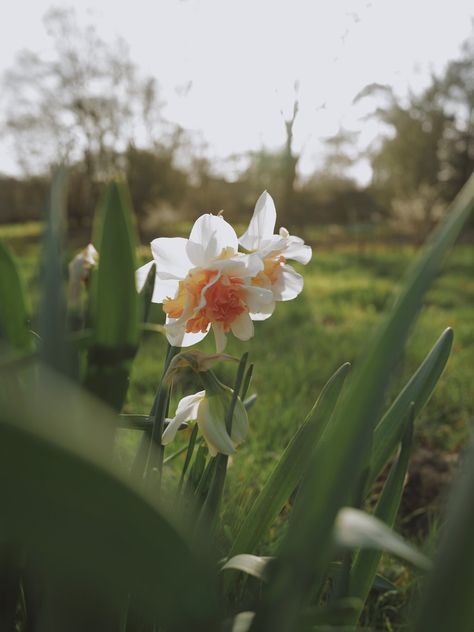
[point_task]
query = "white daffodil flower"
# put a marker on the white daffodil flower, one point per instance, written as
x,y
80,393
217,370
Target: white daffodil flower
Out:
x,y
209,411
203,283
274,250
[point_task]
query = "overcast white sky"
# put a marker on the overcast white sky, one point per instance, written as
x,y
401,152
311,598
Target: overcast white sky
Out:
x,y
242,57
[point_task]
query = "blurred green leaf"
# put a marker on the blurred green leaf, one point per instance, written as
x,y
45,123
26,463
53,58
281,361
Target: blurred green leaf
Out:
x,y
64,499
448,600
14,326
114,299
335,471
364,567
290,468
52,317
418,389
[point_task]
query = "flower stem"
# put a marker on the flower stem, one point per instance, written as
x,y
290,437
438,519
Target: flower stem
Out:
x,y
149,457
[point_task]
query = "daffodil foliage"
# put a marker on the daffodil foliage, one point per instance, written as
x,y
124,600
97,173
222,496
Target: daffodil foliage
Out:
x,y
92,541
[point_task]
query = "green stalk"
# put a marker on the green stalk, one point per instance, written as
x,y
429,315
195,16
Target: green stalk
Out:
x,y
365,564
150,451
211,504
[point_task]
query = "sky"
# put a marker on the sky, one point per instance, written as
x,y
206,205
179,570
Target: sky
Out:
x,y
227,68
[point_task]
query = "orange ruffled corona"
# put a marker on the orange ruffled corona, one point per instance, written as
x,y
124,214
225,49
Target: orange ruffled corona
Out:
x,y
224,300
271,270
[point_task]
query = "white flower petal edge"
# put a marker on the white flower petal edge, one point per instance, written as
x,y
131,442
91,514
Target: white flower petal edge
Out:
x,y
289,284
261,302
162,289
141,275
261,225
296,249
170,254
177,337
210,235
187,410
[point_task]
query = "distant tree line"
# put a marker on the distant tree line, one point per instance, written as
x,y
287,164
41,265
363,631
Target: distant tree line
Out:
x,y
88,107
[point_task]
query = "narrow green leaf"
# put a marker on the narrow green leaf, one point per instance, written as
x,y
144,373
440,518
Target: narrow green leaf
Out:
x,y
68,504
448,602
365,563
10,576
338,462
115,298
189,455
290,468
418,389
14,325
147,291
114,301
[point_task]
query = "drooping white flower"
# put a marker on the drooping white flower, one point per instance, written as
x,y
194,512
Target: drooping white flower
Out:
x,y
204,282
79,273
274,250
209,411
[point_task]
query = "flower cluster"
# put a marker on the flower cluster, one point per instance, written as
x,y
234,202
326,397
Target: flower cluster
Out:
x,y
205,283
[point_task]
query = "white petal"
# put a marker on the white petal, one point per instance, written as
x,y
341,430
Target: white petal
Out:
x,y
260,302
187,410
219,337
264,312
209,236
261,225
91,256
169,433
164,288
141,275
242,327
289,284
354,528
273,247
172,261
178,337
213,429
244,266
297,250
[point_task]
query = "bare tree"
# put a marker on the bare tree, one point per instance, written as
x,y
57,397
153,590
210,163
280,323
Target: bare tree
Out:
x,y
85,103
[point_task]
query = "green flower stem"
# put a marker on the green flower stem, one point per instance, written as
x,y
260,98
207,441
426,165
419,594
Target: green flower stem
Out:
x,y
150,451
189,454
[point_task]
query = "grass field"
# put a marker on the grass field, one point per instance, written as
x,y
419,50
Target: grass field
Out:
x,y
296,351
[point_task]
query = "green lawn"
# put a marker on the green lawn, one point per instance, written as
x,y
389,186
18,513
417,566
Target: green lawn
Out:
x,y
303,343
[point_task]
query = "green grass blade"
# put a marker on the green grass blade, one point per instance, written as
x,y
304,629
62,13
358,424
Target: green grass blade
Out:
x,y
290,468
14,325
418,389
337,465
115,303
364,567
64,500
